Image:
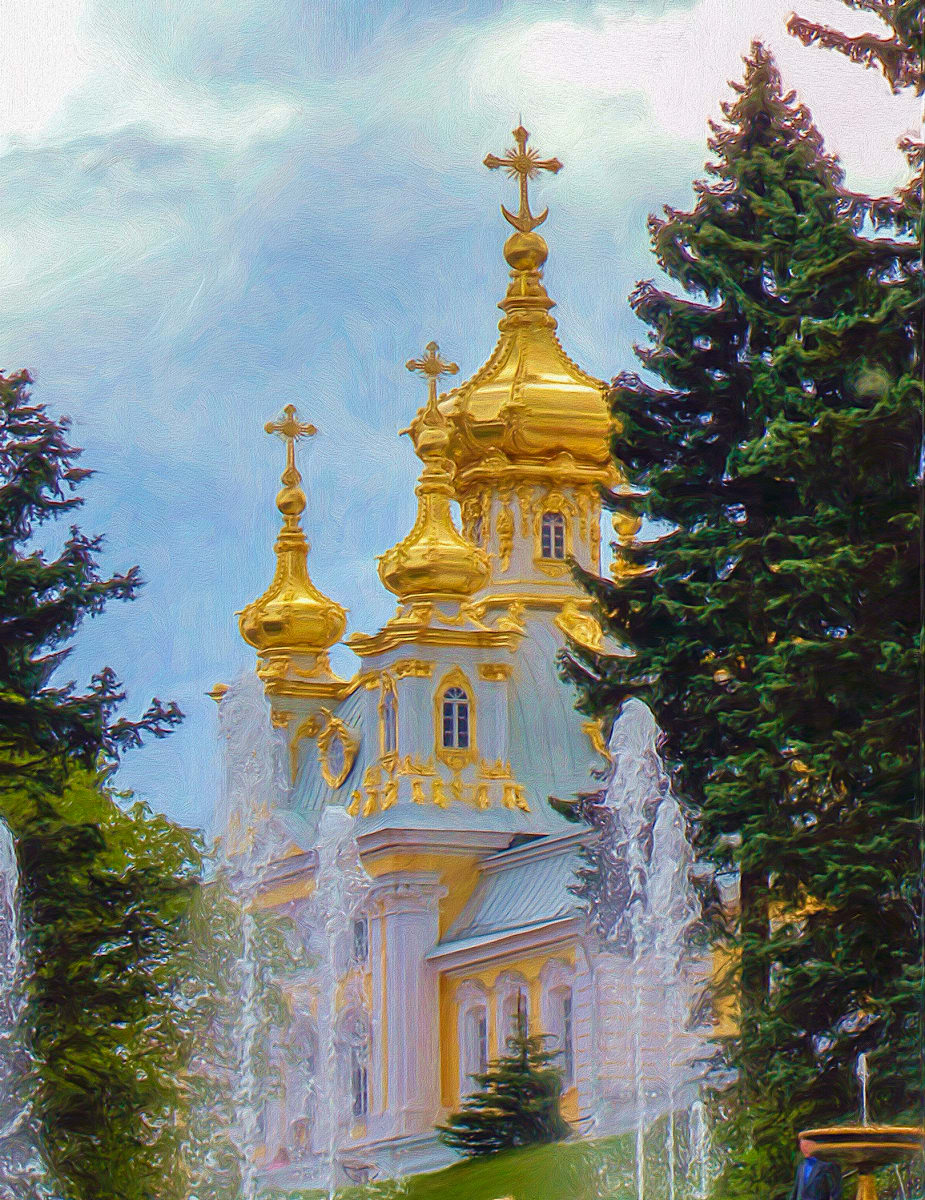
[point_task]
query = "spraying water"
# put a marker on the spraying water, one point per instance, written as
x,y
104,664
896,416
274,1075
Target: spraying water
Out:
x,y
21,1171
651,859
342,885
255,785
863,1073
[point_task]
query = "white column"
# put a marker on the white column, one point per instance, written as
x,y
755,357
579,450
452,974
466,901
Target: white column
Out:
x,y
406,995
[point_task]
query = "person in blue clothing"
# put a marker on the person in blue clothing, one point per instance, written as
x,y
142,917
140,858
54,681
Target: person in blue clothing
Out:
x,y
816,1180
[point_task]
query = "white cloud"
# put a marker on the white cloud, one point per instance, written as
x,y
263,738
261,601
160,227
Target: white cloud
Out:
x,y
44,62
678,64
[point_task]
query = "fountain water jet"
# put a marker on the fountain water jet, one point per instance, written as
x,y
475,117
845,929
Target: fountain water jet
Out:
x,y
255,785
651,861
21,1170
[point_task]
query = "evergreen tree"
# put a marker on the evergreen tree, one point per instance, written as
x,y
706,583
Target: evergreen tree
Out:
x,y
774,618
43,602
107,902
517,1101
105,889
898,51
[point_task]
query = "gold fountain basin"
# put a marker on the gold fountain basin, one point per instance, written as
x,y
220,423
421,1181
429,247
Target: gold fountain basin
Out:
x,y
866,1147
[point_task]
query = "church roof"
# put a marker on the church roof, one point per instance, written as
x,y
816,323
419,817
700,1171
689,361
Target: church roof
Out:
x,y
521,888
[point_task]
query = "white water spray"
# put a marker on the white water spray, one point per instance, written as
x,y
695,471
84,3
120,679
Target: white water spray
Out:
x,y
255,785
21,1170
342,885
651,850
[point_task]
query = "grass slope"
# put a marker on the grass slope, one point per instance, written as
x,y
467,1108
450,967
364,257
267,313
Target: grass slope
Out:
x,y
581,1170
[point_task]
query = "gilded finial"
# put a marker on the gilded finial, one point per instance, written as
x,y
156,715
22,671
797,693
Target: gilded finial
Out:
x,y
434,561
292,619
290,430
524,163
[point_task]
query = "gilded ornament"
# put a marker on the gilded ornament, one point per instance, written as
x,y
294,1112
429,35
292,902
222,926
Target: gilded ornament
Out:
x,y
514,797
581,626
356,799
280,718
218,690
336,764
417,792
513,620
372,800
505,535
438,794
495,770
482,800
595,735
495,672
471,508
390,795
525,501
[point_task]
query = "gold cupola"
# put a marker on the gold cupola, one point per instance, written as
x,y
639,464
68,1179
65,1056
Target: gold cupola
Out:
x,y
435,561
529,403
293,625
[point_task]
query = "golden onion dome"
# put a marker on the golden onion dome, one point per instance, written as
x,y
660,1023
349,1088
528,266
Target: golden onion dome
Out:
x,y
292,617
434,561
529,402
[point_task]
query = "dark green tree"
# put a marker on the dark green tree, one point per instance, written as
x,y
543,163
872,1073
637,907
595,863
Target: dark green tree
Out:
x,y
43,602
107,900
105,887
773,614
516,1104
898,50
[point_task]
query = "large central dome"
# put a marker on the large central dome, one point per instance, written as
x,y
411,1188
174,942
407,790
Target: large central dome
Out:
x,y
529,402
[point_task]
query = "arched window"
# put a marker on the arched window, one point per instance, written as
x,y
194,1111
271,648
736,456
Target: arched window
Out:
x,y
474,1044
563,1030
389,721
357,1032
359,1080
514,1009
455,719
552,535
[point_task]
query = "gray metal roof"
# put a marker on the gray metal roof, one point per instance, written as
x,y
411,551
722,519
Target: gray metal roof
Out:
x,y
522,887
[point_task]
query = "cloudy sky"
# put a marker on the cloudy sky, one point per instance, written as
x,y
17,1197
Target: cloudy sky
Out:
x,y
211,209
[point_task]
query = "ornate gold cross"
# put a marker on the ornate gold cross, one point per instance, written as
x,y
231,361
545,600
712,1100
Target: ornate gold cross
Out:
x,y
525,163
432,366
290,429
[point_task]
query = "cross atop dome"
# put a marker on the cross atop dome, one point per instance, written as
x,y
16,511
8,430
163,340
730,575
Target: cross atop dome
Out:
x,y
290,430
432,367
524,164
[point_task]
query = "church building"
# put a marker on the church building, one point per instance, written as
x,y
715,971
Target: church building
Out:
x,y
445,746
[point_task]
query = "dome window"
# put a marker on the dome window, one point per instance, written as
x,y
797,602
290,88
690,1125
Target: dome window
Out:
x,y
455,719
552,535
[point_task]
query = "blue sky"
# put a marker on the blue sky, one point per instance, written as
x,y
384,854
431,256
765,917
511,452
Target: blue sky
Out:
x,y
210,210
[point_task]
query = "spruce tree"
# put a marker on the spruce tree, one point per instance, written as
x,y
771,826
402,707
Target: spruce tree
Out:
x,y
517,1101
774,618
43,602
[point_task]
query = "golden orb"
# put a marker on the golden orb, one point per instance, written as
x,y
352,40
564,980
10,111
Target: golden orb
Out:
x,y
525,251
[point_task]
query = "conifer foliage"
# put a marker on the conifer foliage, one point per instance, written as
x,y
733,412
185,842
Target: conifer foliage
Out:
x,y
774,618
517,1101
43,602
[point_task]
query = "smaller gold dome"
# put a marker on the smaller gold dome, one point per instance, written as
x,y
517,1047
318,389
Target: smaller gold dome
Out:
x,y
435,561
292,617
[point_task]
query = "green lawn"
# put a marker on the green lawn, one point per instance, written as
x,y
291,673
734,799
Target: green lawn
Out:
x,y
586,1169
570,1171
580,1170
